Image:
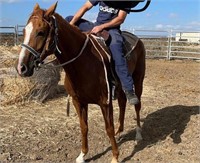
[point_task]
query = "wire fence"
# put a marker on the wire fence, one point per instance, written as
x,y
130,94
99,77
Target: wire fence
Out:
x,y
158,43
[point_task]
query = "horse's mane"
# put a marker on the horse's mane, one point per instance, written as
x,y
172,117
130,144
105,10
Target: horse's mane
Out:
x,y
64,23
41,13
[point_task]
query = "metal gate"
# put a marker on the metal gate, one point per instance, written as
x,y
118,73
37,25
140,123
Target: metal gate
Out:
x,y
170,43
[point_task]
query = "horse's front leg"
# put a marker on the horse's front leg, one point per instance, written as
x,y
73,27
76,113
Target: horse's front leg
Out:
x,y
82,111
122,108
107,110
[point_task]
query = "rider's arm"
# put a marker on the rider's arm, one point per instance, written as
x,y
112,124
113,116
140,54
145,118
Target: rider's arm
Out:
x,y
87,6
113,23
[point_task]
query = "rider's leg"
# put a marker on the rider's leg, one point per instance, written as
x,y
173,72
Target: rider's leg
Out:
x,y
82,24
121,67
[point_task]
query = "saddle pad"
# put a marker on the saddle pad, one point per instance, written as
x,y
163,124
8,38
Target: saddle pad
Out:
x,y
130,42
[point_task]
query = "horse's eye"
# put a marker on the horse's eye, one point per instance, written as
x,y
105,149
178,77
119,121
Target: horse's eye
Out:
x,y
41,33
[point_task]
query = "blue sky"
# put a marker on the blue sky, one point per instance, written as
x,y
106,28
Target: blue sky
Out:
x,y
161,14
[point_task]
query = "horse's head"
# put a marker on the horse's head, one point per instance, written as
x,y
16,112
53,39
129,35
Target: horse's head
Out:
x,y
38,40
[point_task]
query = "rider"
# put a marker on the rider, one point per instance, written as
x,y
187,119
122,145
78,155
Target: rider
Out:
x,y
110,19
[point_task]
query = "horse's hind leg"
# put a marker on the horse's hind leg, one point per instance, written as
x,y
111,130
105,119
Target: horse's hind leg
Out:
x,y
82,111
107,110
122,108
138,128
138,77
138,91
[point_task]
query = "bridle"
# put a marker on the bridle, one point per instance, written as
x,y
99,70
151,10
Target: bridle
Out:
x,y
51,48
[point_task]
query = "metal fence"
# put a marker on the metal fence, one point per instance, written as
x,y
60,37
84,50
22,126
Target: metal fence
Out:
x,y
158,43
19,29
11,35
8,35
170,43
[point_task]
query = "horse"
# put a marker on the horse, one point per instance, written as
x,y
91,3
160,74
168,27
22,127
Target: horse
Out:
x,y
87,70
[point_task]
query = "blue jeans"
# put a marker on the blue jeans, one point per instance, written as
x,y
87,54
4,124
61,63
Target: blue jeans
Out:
x,y
116,47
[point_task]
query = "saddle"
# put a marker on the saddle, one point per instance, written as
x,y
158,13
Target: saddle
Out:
x,y
129,44
130,41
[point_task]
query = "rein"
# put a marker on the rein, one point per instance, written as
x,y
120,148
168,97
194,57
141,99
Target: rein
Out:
x,y
44,65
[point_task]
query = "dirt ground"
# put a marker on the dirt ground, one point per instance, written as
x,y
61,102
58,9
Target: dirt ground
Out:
x,y
35,132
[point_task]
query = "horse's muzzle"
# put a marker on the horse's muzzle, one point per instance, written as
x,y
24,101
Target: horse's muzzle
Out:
x,y
24,71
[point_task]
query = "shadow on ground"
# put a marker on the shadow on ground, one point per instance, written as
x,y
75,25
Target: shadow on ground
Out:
x,y
157,126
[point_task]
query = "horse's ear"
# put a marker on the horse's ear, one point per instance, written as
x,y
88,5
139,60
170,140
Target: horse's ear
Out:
x,y
51,10
37,7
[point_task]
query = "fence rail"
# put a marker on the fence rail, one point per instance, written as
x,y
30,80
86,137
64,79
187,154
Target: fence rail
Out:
x,y
158,43
7,34
11,35
170,43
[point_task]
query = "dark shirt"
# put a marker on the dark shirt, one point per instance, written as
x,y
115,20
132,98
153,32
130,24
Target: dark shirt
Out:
x,y
106,13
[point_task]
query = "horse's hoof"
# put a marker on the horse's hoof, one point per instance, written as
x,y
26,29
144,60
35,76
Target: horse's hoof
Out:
x,y
114,160
80,161
138,137
138,134
80,158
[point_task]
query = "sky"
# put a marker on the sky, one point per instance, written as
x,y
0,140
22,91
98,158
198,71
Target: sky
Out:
x,y
160,15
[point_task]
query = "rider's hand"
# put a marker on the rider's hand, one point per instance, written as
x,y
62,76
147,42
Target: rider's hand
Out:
x,y
97,29
71,23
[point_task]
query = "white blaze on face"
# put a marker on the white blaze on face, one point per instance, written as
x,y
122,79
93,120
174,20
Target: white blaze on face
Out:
x,y
28,31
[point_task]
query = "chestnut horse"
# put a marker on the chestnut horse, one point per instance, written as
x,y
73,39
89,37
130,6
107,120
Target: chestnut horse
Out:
x,y
87,69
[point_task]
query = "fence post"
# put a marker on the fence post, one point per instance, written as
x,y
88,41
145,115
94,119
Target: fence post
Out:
x,y
169,45
15,37
17,33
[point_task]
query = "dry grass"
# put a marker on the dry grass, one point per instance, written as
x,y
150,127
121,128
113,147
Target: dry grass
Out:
x,y
14,89
36,132
41,86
